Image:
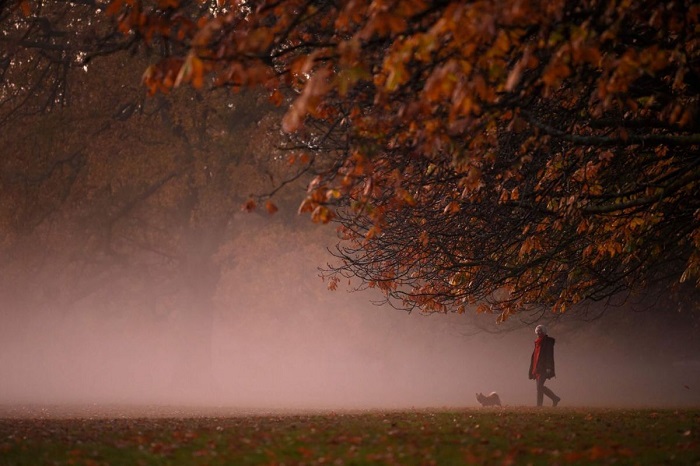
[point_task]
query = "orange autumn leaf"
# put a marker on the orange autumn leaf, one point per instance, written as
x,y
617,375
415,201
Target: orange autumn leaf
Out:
x,y
249,206
270,207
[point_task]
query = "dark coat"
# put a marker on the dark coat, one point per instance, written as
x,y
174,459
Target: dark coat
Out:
x,y
545,362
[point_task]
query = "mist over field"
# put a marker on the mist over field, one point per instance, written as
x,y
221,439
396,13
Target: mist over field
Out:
x,y
280,340
354,357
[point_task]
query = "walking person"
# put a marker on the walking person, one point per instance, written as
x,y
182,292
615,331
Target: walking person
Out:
x,y
542,365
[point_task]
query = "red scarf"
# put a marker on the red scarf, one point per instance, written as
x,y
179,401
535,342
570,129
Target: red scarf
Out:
x,y
536,354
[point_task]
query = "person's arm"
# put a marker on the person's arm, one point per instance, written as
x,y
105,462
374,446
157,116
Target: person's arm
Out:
x,y
550,360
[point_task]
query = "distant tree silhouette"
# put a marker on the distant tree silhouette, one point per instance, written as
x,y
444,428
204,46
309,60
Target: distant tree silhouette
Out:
x,y
112,201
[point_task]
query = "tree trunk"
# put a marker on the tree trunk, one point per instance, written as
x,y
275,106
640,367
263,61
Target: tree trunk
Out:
x,y
193,380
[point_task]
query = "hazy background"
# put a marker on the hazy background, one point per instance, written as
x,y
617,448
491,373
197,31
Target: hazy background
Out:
x,y
288,343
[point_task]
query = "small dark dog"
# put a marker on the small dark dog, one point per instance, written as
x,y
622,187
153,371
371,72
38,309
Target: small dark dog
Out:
x,y
489,400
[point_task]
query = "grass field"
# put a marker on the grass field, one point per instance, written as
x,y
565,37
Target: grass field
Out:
x,y
442,436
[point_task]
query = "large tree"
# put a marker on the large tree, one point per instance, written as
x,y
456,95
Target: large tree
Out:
x,y
491,153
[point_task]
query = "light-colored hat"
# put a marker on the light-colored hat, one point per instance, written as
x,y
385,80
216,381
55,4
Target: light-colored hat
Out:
x,y
541,330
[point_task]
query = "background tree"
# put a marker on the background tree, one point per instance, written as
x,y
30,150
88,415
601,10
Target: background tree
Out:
x,y
113,203
503,154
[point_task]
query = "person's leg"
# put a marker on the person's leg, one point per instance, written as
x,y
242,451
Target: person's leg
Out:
x,y
540,389
547,391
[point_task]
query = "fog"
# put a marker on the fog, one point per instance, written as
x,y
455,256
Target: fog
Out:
x,y
291,344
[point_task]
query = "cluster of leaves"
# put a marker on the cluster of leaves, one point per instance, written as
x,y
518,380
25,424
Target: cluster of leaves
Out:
x,y
498,154
511,436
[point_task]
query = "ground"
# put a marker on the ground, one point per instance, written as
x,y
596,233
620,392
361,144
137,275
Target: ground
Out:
x,y
511,435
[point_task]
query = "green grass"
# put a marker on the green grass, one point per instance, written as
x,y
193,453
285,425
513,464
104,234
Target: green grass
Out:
x,y
443,437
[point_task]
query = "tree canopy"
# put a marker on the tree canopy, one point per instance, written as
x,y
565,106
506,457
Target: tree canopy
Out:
x,y
499,154
494,154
